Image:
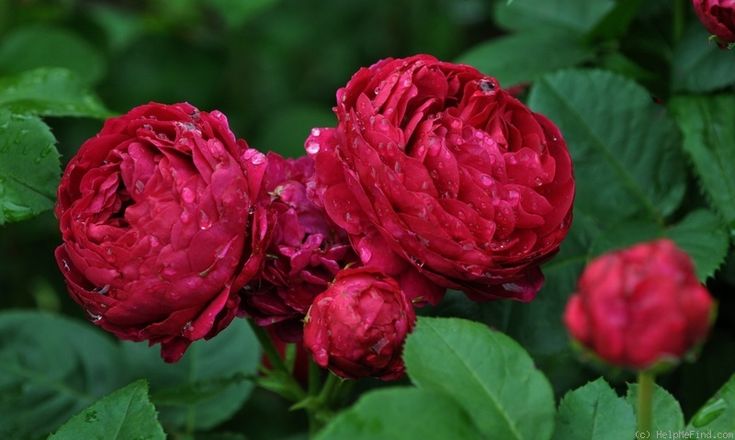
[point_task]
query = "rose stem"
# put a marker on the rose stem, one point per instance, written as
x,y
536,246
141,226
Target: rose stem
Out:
x,y
314,377
295,392
645,393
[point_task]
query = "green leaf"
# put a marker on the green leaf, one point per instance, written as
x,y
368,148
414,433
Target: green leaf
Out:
x,y
700,65
486,372
120,26
50,368
237,12
29,167
625,148
523,57
40,46
718,414
699,234
402,413
575,15
49,92
666,413
125,414
594,411
207,385
616,22
702,236
709,139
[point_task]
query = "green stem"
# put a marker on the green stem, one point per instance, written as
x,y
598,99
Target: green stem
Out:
x,y
328,390
678,20
314,378
646,380
295,392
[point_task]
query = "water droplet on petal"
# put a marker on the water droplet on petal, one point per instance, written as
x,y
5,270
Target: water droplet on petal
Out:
x,y
486,180
187,195
315,132
312,147
204,221
139,186
258,159
365,255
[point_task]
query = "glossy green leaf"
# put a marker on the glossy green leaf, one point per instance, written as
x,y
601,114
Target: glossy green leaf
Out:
x,y
616,22
666,412
207,385
50,368
529,15
402,414
523,57
718,414
49,92
486,372
594,411
709,140
123,415
701,66
700,234
625,148
29,167
41,46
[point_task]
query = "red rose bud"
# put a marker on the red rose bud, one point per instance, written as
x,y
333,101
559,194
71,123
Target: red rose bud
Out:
x,y
357,327
433,165
718,16
305,252
158,225
639,306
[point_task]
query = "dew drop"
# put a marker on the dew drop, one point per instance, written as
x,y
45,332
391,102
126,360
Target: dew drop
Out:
x,y
312,147
486,180
187,195
139,186
258,159
365,255
315,132
204,221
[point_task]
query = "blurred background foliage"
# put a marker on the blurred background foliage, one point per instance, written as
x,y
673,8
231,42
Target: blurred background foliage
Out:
x,y
273,67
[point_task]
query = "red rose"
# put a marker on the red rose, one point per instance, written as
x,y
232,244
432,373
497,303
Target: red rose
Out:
x,y
159,227
305,250
358,326
639,305
718,16
433,165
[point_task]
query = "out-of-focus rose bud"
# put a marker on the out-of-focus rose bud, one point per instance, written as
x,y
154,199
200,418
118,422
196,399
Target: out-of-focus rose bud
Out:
x,y
639,306
305,250
159,225
718,16
358,326
434,166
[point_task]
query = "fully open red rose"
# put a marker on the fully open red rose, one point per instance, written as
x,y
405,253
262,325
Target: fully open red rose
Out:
x,y
159,227
358,326
304,253
640,305
718,16
432,165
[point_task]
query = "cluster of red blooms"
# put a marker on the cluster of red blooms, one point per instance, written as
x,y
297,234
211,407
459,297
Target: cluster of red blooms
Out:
x,y
433,177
